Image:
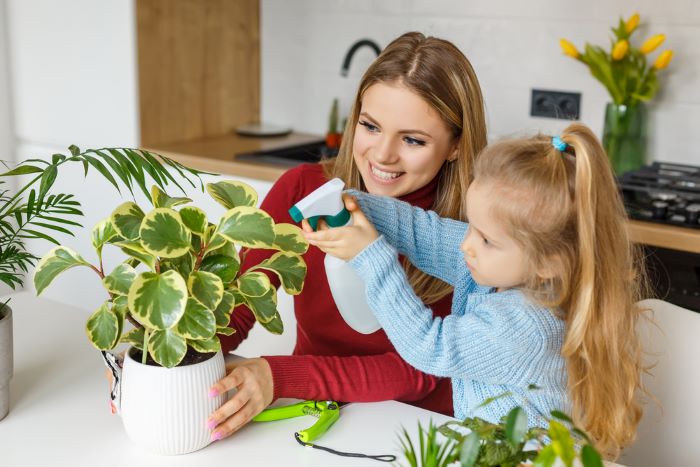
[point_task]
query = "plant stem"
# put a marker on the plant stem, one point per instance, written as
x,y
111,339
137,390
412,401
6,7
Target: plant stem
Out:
x,y
144,351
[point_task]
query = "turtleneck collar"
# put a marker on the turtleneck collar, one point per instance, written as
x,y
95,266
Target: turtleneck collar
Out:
x,y
423,197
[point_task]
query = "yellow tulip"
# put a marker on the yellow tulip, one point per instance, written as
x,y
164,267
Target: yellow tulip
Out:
x,y
652,43
568,48
620,49
663,59
631,23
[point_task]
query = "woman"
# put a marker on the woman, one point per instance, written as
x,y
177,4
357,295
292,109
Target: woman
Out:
x,y
414,129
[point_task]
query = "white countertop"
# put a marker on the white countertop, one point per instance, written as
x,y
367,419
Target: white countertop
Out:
x,y
59,413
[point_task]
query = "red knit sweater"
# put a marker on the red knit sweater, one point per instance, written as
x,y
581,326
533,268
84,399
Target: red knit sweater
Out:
x,y
331,361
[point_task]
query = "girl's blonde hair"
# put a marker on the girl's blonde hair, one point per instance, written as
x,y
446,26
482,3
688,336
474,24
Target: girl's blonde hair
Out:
x,y
565,210
438,72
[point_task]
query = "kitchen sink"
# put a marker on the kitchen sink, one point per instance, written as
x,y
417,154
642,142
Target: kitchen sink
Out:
x,y
290,155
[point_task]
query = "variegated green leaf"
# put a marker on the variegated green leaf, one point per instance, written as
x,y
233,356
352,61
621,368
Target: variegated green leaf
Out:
x,y
246,226
237,295
54,263
231,194
195,219
160,199
212,240
163,234
206,288
158,300
102,233
226,331
264,308
275,325
223,311
183,264
290,238
119,280
254,284
290,268
210,345
102,328
197,323
134,338
167,348
126,220
120,307
138,252
223,266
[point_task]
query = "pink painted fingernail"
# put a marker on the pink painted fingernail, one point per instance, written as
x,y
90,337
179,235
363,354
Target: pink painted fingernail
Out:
x,y
216,436
211,424
213,393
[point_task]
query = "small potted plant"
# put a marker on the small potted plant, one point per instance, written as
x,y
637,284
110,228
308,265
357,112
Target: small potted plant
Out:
x,y
34,212
176,288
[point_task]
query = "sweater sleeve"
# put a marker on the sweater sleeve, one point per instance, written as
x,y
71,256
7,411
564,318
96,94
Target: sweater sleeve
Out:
x,y
503,339
431,243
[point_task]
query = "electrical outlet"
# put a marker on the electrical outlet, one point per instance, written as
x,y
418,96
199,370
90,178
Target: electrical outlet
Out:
x,y
555,104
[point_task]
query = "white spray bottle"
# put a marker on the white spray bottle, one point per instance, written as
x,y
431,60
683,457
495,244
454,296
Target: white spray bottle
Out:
x,y
347,287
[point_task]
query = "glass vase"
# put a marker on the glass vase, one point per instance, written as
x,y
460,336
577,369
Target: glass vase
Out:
x,y
625,136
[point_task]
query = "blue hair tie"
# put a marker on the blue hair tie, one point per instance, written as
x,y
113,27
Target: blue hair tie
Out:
x,y
559,144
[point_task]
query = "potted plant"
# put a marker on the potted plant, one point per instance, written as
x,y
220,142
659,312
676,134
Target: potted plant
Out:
x,y
33,212
631,80
179,283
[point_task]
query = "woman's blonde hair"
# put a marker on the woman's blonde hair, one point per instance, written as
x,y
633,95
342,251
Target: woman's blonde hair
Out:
x,y
438,72
565,210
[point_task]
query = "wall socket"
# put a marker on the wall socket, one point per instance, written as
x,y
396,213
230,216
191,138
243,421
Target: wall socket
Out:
x,y
555,104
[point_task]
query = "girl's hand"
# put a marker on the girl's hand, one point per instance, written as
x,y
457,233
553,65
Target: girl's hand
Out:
x,y
252,378
343,242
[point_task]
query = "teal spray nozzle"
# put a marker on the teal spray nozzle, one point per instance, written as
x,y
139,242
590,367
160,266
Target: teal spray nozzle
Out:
x,y
325,202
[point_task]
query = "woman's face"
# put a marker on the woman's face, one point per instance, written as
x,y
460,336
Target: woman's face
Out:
x,y
400,140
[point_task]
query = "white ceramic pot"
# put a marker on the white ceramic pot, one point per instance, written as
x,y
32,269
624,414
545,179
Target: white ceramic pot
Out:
x,y
6,359
165,410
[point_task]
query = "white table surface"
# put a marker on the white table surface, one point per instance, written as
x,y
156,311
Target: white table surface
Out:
x,y
59,414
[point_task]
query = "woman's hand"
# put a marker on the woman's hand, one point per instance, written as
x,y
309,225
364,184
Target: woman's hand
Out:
x,y
252,378
343,242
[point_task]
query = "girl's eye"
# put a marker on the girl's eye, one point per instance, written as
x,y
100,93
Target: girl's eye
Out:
x,y
413,141
371,128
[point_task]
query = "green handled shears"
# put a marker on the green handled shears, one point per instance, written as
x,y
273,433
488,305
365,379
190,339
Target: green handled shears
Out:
x,y
327,413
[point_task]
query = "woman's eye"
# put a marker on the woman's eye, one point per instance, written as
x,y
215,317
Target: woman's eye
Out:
x,y
413,141
486,241
371,128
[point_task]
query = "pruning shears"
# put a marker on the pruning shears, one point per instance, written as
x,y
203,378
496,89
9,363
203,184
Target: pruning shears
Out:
x,y
327,413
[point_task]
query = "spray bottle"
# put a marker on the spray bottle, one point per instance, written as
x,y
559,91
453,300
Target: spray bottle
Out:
x,y
347,287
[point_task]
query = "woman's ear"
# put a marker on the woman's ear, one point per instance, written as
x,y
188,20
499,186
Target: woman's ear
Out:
x,y
455,152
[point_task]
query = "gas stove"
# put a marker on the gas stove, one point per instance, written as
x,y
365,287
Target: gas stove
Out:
x,y
663,193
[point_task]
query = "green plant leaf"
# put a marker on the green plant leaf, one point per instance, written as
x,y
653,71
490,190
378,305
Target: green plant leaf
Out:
x,y
198,323
166,347
102,233
210,345
290,268
163,234
469,450
223,311
516,426
275,325
134,338
545,458
223,266
265,307
120,279
160,199
126,219
247,226
24,169
559,415
158,300
231,194
226,331
103,328
195,219
590,457
54,263
183,264
136,251
254,284
562,442
290,238
206,288
47,180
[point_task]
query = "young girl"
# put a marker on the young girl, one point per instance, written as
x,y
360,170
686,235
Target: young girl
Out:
x,y
545,285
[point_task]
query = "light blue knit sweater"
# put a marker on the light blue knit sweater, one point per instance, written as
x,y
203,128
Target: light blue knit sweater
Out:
x,y
491,343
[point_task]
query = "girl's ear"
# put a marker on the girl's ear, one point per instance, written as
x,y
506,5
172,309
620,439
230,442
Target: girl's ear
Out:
x,y
549,269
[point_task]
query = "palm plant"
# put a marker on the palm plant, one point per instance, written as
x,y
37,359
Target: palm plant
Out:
x,y
33,212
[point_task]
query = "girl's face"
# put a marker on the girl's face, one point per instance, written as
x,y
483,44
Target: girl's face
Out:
x,y
492,256
400,141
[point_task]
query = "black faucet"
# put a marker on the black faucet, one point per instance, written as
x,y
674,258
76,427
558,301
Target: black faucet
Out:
x,y
348,56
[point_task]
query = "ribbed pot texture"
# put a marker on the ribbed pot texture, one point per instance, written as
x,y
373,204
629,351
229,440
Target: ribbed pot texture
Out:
x,y
6,359
165,410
